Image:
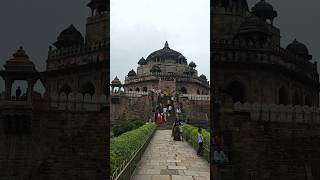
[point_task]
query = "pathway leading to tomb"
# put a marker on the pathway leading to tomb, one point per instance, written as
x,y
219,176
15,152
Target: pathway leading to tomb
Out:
x,y
165,159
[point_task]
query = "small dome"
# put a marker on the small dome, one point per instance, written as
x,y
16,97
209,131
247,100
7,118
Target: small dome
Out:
x,y
20,62
203,77
142,61
116,81
253,24
192,64
155,69
131,73
299,49
69,37
264,10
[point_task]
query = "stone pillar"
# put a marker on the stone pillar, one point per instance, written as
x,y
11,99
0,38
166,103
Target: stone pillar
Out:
x,y
30,89
8,86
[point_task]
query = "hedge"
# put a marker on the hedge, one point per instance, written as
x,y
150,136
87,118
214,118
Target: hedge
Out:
x,y
191,134
123,146
125,127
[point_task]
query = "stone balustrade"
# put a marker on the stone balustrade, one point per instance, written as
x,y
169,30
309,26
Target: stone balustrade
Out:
x,y
77,102
241,51
280,113
76,50
196,97
167,77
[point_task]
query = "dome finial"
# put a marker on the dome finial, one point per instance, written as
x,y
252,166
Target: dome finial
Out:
x,y
166,45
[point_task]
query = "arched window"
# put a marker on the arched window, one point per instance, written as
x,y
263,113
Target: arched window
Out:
x,y
296,99
283,96
88,88
137,89
65,89
145,89
307,100
130,89
183,90
237,91
198,92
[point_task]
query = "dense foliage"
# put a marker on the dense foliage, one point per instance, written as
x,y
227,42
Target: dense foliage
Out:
x,y
191,135
125,127
122,147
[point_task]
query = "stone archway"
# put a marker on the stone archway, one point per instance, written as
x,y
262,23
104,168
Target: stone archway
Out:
x,y
283,96
65,89
237,91
167,91
296,99
183,90
307,100
87,88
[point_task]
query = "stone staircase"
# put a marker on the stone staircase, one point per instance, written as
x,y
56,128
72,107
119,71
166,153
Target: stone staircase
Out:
x,y
170,120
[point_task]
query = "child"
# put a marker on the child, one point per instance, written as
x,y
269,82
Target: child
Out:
x,y
200,142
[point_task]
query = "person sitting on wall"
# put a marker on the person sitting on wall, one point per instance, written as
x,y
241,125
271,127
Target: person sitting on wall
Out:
x,y
18,93
219,157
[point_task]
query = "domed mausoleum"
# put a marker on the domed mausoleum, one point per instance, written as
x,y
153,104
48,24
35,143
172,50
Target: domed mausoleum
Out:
x,y
166,70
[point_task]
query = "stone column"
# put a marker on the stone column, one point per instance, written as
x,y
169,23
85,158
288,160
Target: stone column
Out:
x,y
30,90
8,86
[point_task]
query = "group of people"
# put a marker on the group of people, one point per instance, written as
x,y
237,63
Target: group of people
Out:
x,y
219,156
161,112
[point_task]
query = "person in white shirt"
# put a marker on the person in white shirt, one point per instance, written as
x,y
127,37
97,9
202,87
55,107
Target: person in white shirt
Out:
x,y
165,113
200,142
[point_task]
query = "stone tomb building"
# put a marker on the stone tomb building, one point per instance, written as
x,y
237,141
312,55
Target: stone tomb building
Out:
x,y
166,70
268,108
62,134
251,65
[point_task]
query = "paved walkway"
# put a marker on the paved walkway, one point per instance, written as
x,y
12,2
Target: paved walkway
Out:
x,y
165,159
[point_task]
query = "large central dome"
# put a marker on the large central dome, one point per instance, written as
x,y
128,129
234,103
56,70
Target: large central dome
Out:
x,y
165,53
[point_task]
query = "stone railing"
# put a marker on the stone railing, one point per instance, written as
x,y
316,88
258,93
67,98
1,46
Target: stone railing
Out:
x,y
135,93
167,77
75,50
196,97
280,113
77,102
241,51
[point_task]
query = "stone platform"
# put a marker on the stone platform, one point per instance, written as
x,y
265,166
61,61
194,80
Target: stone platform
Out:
x,y
165,159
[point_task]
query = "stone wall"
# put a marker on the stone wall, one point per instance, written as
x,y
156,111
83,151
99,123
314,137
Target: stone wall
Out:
x,y
60,145
269,149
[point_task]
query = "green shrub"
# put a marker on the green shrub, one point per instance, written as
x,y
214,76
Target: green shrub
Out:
x,y
123,146
191,134
125,127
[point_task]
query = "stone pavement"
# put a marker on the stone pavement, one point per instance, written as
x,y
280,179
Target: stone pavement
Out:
x,y
165,159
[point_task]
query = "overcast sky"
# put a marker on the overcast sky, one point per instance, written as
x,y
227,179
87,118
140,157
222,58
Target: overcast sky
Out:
x,y
140,27
35,25
298,19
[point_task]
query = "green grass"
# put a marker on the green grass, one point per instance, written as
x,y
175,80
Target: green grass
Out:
x,y
191,134
123,146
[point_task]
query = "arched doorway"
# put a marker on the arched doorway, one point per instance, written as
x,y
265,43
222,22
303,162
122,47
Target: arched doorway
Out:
x,y
283,96
237,91
183,90
88,88
65,89
307,100
296,99
144,89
